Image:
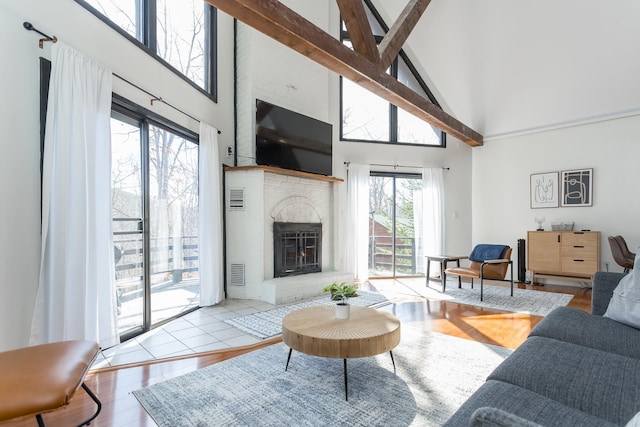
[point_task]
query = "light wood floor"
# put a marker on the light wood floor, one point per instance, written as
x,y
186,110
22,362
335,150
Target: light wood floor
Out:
x,y
120,408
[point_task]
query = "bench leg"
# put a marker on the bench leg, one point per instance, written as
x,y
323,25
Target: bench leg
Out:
x,y
84,423
96,400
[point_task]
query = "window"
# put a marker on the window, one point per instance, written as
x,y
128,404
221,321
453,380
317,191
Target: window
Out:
x,y
367,117
178,33
154,192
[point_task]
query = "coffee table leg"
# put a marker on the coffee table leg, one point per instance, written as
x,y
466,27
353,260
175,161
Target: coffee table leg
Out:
x,y
346,390
392,361
288,359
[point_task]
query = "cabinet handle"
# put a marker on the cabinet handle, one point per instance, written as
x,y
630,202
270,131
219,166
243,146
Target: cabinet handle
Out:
x,y
578,260
578,246
558,238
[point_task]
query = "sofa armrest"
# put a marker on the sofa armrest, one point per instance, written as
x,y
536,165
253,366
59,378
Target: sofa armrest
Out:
x,y
604,282
495,417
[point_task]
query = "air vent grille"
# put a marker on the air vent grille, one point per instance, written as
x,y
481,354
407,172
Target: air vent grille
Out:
x,y
236,274
236,199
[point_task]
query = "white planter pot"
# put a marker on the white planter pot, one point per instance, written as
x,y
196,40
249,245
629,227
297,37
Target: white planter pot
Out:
x,y
342,311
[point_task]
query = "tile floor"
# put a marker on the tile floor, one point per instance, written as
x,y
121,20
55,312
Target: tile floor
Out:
x,y
199,331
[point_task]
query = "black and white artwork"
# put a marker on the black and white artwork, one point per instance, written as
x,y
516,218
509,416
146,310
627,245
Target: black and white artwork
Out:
x,y
544,190
577,187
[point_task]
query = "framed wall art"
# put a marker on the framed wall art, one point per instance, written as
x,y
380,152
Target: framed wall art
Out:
x,y
544,190
577,187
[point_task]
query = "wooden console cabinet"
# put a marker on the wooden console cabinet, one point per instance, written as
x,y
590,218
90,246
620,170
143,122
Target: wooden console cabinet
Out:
x,y
566,255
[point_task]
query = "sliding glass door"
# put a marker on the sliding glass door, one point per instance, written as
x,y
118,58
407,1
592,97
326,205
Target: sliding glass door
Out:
x,y
395,212
155,222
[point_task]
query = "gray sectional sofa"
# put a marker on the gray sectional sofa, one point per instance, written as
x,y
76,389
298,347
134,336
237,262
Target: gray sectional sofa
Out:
x,y
574,369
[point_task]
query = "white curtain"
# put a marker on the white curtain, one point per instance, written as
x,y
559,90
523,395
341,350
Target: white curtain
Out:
x,y
76,295
433,211
357,244
210,217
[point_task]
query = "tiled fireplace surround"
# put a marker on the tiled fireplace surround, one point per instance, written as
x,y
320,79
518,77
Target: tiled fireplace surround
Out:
x,y
255,198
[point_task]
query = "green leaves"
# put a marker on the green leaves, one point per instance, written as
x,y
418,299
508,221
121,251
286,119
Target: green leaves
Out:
x,y
341,291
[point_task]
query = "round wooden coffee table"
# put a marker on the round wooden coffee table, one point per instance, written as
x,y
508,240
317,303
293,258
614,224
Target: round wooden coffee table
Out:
x,y
317,332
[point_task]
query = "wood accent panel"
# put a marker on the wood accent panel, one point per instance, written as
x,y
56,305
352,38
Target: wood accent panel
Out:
x,y
543,251
288,172
399,32
317,331
279,22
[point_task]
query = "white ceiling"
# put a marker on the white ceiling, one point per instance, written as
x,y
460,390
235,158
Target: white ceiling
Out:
x,y
507,67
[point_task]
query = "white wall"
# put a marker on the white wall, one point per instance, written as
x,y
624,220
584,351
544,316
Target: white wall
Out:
x,y
19,123
502,168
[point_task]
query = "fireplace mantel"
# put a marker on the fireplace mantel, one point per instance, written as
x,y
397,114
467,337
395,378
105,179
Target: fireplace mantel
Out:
x,y
288,172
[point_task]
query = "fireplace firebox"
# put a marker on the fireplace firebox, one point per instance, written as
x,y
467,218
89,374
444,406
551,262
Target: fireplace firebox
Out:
x,y
297,248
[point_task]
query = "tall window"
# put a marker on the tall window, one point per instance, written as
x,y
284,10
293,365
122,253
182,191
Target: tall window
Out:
x,y
154,184
179,33
367,117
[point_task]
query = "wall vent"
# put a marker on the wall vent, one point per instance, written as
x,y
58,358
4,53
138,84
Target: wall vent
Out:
x,y
236,199
236,274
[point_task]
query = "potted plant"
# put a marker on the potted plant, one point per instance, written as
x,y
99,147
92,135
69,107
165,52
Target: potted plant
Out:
x,y
341,292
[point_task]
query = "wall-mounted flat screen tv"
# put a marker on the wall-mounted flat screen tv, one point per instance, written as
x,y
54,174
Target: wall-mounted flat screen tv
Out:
x,y
290,140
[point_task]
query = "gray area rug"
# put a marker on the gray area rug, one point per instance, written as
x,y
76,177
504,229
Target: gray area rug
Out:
x,y
525,301
267,324
436,373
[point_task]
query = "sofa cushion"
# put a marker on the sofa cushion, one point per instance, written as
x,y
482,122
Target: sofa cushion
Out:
x,y
524,404
604,283
625,302
599,383
496,417
600,333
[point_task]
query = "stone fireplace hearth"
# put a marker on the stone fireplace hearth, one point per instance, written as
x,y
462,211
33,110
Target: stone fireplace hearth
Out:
x,y
257,197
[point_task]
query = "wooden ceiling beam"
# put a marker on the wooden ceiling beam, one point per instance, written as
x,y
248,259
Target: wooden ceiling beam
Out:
x,y
397,35
360,34
289,28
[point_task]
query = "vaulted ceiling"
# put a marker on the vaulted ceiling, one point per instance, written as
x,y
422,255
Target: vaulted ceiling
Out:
x,y
507,67
498,67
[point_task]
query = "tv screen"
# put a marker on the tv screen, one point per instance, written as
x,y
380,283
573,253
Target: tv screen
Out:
x,y
290,140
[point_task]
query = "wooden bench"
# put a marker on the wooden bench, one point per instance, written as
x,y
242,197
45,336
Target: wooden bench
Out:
x,y
42,378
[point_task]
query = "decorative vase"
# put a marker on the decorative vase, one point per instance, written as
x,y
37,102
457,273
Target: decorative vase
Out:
x,y
342,310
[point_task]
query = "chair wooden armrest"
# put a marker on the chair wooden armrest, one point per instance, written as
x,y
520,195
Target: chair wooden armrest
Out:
x,y
496,261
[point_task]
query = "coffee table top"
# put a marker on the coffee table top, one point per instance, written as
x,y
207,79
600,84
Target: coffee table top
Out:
x,y
317,331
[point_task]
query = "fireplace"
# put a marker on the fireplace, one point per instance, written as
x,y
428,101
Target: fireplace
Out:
x,y
297,248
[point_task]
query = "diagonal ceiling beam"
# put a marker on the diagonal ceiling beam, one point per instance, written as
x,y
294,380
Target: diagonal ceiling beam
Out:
x,y
360,34
399,32
289,28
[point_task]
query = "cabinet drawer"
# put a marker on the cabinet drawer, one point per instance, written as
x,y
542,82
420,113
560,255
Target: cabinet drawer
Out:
x,y
579,266
580,252
580,239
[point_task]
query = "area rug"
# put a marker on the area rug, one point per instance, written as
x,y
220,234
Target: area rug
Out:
x,y
267,324
436,373
527,301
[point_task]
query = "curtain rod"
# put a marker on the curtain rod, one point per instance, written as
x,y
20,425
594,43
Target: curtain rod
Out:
x,y
154,98
395,166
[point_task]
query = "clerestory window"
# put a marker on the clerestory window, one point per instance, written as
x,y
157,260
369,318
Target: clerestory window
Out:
x,y
366,117
180,34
